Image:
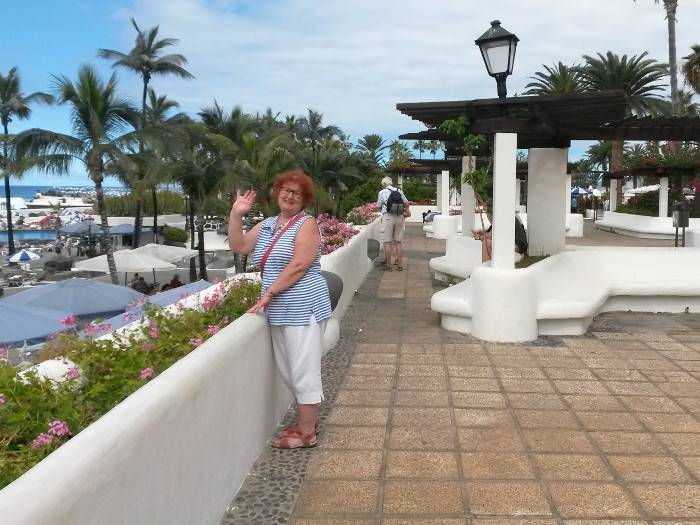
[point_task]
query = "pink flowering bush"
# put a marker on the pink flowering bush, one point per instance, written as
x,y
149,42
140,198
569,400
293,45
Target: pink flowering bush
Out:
x,y
334,234
364,214
37,416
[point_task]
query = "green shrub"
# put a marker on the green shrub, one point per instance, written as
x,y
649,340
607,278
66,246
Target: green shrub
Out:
x,y
417,190
108,371
125,205
174,234
363,193
58,264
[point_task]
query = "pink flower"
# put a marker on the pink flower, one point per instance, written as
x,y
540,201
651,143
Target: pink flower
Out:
x,y
212,329
225,320
73,373
128,316
69,321
153,332
42,440
195,341
146,373
211,302
58,428
2,399
148,346
216,280
3,353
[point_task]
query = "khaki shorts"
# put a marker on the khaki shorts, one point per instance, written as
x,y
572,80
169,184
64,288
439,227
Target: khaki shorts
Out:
x,y
392,227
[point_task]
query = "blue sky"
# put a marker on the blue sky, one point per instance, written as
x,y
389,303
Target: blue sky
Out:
x,y
353,60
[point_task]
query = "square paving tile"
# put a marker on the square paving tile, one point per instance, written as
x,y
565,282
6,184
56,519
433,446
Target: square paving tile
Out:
x,y
536,401
692,463
609,421
380,348
422,383
546,419
669,501
683,444
420,416
370,398
424,521
553,440
422,437
482,417
572,467
649,469
363,464
421,398
370,358
597,403
650,404
591,500
470,371
514,498
422,497
478,400
371,383
527,385
331,521
333,497
580,387
498,466
579,374
670,422
423,465
619,442
507,372
476,384
344,437
343,415
421,359
489,440
421,370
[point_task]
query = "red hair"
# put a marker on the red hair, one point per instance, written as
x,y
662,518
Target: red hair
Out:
x,y
301,179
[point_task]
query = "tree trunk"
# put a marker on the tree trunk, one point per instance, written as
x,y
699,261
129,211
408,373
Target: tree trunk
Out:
x,y
193,264
671,7
155,213
616,164
138,212
200,245
8,195
106,238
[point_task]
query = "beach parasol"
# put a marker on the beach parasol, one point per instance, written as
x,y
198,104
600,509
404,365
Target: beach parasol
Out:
x,y
81,228
23,256
20,324
171,254
578,191
81,297
126,261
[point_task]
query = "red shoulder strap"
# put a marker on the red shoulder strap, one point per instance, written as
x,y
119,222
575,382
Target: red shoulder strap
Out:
x,y
291,223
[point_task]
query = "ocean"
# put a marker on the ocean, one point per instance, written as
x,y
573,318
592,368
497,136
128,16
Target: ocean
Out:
x,y
28,192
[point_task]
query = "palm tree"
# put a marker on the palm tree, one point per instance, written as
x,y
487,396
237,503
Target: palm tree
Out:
x,y
637,76
98,116
559,79
421,146
13,105
600,155
313,131
232,125
146,60
399,156
260,159
373,145
671,6
691,68
433,147
203,164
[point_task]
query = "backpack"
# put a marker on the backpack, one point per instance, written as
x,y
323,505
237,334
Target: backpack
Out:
x,y
394,204
520,236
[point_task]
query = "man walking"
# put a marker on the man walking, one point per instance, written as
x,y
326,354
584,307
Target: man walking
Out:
x,y
393,206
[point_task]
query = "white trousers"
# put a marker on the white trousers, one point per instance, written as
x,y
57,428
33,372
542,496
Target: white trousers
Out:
x,y
298,351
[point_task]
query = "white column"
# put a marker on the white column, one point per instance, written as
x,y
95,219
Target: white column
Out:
x,y
503,232
546,183
444,192
613,194
439,193
663,197
518,189
567,197
399,181
468,197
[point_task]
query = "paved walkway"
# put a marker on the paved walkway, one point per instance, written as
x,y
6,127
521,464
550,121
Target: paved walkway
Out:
x,y
425,426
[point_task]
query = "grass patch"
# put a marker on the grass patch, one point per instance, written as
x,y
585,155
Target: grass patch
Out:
x,y
529,260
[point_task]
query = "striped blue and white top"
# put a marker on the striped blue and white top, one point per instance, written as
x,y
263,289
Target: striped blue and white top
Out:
x,y
308,295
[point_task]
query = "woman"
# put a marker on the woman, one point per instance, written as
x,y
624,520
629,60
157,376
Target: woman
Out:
x,y
294,294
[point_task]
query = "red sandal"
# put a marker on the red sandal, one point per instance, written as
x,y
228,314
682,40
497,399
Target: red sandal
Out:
x,y
296,441
293,430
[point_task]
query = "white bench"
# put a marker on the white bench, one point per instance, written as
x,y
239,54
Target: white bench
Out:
x,y
561,294
462,254
640,225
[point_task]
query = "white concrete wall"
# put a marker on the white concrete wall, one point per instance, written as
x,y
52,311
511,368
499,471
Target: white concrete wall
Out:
x,y
546,216
613,194
468,196
663,197
177,450
641,225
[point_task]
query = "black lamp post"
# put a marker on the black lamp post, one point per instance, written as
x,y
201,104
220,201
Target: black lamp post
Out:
x,y
497,48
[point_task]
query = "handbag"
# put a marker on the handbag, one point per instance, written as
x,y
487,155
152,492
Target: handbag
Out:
x,y
276,238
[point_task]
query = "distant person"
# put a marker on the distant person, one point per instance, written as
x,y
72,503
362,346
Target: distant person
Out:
x,y
141,285
175,281
487,241
393,205
165,287
134,279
